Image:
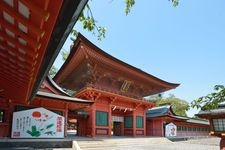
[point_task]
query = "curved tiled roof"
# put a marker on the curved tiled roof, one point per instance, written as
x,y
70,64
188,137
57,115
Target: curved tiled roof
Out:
x,y
167,111
60,97
84,51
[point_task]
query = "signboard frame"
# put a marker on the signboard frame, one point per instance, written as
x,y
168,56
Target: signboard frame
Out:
x,y
37,123
170,130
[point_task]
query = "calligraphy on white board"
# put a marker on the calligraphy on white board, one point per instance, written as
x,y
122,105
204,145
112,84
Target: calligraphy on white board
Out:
x,y
171,130
37,123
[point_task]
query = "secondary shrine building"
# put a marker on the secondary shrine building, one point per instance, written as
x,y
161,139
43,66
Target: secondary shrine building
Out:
x,y
106,99
107,94
115,88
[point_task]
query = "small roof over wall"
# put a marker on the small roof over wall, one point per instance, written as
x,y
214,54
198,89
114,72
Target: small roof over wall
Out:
x,y
89,66
220,112
167,111
211,112
163,111
198,121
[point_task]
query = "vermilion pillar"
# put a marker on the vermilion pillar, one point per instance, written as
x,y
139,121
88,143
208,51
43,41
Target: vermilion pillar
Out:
x,y
93,115
144,123
134,123
222,143
110,120
66,119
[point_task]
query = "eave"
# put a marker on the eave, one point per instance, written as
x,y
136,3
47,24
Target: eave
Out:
x,y
67,18
113,97
84,51
31,35
169,116
64,98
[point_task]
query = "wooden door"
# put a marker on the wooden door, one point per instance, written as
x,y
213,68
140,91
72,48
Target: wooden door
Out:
x,y
117,128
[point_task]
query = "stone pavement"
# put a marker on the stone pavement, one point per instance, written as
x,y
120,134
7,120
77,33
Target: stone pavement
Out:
x,y
147,143
144,143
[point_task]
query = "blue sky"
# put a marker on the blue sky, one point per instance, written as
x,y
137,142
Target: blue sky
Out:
x,y
183,45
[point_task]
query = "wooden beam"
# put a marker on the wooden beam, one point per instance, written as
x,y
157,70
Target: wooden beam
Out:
x,y
39,12
34,28
19,33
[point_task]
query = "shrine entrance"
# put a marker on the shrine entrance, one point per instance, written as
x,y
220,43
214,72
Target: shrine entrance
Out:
x,y
72,126
76,124
117,127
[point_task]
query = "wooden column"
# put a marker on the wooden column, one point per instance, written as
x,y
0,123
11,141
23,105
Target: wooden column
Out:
x,y
134,122
110,120
9,118
66,119
93,116
122,128
144,123
162,128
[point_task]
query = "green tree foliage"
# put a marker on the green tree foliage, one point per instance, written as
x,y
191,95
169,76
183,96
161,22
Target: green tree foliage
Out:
x,y
175,2
211,100
64,54
129,5
90,23
179,106
155,97
52,72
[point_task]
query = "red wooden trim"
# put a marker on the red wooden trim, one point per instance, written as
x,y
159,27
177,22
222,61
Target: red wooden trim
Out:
x,y
13,80
17,44
134,123
36,10
139,132
28,57
18,32
21,19
102,131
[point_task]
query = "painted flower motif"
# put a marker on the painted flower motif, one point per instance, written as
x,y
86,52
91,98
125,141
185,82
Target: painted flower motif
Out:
x,y
36,114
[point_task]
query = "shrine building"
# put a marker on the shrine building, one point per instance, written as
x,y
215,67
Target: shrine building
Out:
x,y
116,89
107,94
158,117
31,36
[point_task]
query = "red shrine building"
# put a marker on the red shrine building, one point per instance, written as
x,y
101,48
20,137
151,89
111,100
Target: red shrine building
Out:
x,y
158,117
31,36
115,88
107,94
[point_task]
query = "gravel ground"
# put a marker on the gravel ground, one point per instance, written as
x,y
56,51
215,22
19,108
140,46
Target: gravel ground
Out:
x,y
195,144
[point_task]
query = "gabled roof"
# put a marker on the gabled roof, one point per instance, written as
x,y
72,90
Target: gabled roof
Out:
x,y
56,88
167,111
158,111
84,54
208,114
163,111
212,112
198,121
65,98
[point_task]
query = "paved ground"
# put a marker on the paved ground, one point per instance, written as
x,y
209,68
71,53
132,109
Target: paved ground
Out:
x,y
196,145
159,144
